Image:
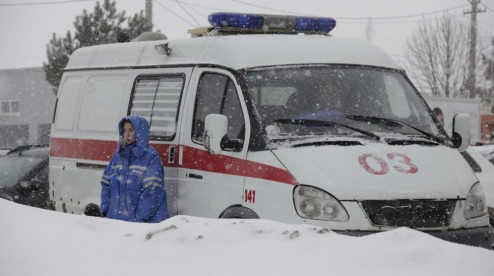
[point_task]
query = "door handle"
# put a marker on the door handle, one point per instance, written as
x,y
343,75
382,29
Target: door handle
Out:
x,y
171,154
90,165
193,175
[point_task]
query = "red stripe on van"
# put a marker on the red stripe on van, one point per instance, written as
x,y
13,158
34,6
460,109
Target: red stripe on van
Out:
x,y
195,159
82,148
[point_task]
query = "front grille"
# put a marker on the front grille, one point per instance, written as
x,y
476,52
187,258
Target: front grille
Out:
x,y
409,213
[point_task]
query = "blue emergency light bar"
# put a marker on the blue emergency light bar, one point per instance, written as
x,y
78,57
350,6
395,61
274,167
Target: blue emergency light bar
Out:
x,y
267,22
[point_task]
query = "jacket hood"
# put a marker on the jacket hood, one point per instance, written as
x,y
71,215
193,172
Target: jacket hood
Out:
x,y
141,132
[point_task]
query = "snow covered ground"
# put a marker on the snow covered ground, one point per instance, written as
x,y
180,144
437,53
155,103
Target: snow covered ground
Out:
x,y
40,242
484,150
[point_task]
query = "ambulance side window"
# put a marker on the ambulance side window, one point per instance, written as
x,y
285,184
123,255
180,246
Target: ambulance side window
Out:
x,y
157,98
217,95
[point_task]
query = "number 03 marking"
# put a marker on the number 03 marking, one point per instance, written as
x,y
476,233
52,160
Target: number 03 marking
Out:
x,y
398,157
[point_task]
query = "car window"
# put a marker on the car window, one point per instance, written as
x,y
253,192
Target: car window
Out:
x,y
217,95
491,160
338,94
233,111
42,175
157,99
13,168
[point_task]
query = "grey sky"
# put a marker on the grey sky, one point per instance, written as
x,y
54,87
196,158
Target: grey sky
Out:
x,y
27,26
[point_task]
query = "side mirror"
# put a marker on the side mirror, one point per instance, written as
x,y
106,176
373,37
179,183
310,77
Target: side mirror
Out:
x,y
461,131
215,128
25,184
34,184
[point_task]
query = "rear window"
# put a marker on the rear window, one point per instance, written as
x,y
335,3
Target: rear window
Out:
x,y
67,103
13,168
100,95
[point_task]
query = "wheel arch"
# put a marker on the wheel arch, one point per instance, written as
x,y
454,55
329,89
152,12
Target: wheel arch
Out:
x,y
238,211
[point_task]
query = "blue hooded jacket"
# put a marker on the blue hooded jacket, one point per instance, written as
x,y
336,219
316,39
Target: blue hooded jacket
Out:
x,y
133,183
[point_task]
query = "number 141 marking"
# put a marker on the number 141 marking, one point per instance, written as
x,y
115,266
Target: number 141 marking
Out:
x,y
250,196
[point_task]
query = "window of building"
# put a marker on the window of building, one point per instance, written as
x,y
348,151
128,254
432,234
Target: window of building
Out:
x,y
14,107
5,107
10,107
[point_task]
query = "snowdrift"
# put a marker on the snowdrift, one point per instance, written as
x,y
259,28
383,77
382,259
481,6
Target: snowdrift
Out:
x,y
40,242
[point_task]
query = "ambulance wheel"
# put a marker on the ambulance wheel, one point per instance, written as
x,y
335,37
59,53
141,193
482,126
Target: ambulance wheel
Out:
x,y
491,221
491,215
238,212
92,210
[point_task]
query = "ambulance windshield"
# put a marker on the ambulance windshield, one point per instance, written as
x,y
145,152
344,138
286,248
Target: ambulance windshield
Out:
x,y
376,100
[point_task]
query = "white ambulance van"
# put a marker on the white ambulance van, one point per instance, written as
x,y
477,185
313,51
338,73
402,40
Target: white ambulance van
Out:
x,y
262,116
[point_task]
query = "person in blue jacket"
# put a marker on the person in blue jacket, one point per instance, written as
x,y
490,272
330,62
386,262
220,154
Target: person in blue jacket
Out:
x,y
133,183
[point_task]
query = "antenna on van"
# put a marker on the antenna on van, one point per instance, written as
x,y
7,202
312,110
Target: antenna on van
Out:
x,y
163,49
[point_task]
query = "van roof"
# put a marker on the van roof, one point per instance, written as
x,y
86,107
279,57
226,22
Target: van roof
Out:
x,y
236,52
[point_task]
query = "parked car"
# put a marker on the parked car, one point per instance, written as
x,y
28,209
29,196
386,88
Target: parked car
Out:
x,y
490,157
4,151
484,170
487,151
24,176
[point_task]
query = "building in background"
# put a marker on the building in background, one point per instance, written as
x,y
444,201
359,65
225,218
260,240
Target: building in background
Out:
x,y
449,107
26,107
488,125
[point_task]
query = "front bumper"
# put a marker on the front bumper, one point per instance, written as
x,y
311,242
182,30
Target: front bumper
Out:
x,y
479,237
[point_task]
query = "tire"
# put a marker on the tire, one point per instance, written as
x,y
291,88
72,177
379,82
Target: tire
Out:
x,y
238,212
92,210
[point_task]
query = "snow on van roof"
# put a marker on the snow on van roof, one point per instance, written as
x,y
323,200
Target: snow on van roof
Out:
x,y
236,52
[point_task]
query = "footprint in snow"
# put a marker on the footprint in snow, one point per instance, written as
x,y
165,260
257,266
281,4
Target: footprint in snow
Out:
x,y
294,235
150,234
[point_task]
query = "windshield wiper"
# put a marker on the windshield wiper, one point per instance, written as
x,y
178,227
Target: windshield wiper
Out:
x,y
306,122
390,122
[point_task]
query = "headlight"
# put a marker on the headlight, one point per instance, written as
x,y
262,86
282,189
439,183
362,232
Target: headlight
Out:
x,y
475,205
313,203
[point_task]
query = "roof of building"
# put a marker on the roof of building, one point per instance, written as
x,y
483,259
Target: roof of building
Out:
x,y
236,52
